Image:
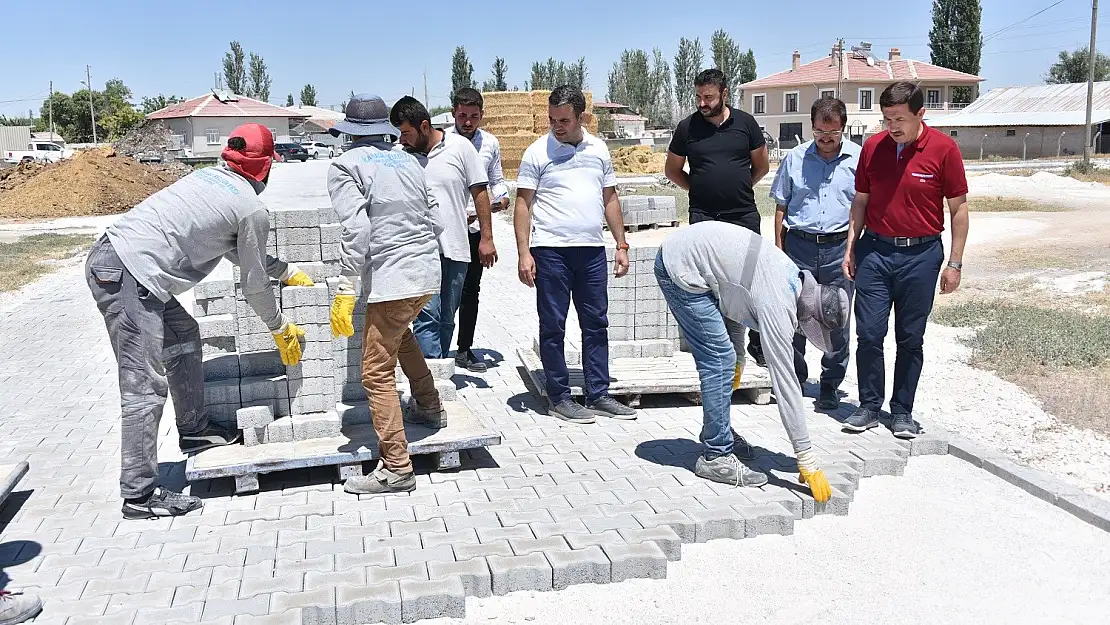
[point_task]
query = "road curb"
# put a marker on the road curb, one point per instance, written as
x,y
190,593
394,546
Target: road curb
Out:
x,y
1040,484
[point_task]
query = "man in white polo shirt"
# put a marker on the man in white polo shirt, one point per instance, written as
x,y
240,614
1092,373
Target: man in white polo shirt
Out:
x,y
467,108
456,177
565,186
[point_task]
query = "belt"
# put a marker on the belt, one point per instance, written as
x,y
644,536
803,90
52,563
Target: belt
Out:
x,y
905,241
835,237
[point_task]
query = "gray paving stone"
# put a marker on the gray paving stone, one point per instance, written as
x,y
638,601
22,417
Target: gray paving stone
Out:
x,y
495,548
582,566
680,522
442,553
190,613
545,530
443,598
515,573
474,574
378,574
716,523
582,541
667,539
769,518
285,582
317,606
880,463
487,535
377,603
524,546
435,539
218,608
401,528
288,617
509,519
614,522
638,561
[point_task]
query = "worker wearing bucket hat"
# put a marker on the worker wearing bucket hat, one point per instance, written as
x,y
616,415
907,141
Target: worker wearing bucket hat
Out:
x,y
719,278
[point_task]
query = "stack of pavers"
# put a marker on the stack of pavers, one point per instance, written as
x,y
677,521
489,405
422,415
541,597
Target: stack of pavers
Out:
x,y
648,211
246,384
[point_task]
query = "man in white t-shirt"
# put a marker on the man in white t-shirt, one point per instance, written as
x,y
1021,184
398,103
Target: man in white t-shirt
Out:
x,y
456,177
466,107
565,187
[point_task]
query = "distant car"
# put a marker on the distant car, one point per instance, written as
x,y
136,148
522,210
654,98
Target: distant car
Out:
x,y
41,151
290,151
317,149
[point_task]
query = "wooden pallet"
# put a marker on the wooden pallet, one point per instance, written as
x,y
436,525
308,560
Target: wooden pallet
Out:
x,y
358,444
630,378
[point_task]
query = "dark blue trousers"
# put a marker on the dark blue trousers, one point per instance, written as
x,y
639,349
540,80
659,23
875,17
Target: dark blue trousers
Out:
x,y
825,262
905,278
581,274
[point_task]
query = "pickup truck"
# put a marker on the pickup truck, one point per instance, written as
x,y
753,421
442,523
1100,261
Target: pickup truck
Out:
x,y
41,151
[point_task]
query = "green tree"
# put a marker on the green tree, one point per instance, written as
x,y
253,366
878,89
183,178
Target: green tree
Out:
x,y
17,121
1072,67
661,112
462,71
746,74
630,82
235,72
727,58
500,71
157,103
115,115
289,100
576,73
308,95
956,40
687,64
259,79
438,110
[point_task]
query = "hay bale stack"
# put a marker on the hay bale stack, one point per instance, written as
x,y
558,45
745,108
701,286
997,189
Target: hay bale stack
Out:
x,y
507,98
510,174
507,124
589,121
513,147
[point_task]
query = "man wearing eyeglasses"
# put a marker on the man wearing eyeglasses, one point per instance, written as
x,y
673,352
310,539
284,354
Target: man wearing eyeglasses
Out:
x,y
813,189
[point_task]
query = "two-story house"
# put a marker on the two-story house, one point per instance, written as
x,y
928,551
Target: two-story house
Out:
x,y
781,102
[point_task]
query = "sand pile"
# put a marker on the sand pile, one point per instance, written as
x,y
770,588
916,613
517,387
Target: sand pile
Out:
x,y
638,159
93,182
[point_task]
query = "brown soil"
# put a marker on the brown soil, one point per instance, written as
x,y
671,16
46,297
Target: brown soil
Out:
x,y
94,182
638,159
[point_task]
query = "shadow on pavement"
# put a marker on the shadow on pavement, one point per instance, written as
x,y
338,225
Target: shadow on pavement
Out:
x,y
14,553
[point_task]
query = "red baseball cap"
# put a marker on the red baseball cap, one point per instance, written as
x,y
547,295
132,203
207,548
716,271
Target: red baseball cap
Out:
x,y
250,151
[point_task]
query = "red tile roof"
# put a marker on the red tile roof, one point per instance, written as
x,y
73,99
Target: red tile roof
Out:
x,y
209,106
824,72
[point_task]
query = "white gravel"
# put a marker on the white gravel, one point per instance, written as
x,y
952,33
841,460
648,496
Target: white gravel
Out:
x,y
946,543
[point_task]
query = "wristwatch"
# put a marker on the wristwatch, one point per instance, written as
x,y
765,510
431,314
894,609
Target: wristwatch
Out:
x,y
622,246
955,264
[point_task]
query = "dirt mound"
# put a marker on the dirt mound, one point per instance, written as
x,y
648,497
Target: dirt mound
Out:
x,y
93,182
12,177
638,159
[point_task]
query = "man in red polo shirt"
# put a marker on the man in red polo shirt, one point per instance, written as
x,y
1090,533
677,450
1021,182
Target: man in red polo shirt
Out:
x,y
904,178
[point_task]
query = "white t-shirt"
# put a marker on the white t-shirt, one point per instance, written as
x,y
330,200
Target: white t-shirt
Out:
x,y
568,208
489,151
452,169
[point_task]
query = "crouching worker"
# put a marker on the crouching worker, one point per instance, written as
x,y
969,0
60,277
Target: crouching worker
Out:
x,y
162,248
718,278
390,231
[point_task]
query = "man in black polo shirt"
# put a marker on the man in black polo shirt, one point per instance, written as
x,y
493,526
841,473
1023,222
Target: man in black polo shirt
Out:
x,y
728,156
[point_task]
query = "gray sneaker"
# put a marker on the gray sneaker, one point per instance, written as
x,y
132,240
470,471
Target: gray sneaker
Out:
x,y
435,417
608,407
862,419
568,410
728,470
381,481
904,426
160,503
16,607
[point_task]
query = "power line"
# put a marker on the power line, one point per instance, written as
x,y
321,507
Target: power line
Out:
x,y
1019,22
27,99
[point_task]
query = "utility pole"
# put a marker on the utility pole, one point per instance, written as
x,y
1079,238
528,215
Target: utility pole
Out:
x,y
92,111
1090,85
51,101
426,88
839,66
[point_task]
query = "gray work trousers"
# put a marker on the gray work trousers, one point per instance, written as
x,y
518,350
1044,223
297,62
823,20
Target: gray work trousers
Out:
x,y
157,347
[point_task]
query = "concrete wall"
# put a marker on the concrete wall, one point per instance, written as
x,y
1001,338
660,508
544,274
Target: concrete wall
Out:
x,y
1042,141
195,130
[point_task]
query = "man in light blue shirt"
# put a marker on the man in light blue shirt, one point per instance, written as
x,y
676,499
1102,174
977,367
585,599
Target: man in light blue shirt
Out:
x,y
814,189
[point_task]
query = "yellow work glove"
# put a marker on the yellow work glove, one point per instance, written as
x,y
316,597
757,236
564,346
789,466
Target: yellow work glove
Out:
x,y
343,310
289,344
736,375
810,473
295,277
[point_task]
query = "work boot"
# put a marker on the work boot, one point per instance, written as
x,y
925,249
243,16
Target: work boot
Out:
x,y
467,360
828,399
728,469
569,410
904,426
741,448
608,407
435,417
381,481
756,352
861,420
214,435
159,503
16,607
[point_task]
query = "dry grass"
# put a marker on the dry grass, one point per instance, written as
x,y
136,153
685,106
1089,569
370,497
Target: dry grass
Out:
x,y
999,204
30,258
1061,356
1101,176
1019,258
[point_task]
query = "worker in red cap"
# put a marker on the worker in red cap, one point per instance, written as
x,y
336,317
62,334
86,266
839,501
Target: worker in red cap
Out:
x,y
162,248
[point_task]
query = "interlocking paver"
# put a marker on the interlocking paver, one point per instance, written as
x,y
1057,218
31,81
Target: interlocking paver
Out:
x,y
378,603
515,573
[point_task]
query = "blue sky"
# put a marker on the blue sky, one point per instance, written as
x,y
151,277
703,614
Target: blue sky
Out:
x,y
175,48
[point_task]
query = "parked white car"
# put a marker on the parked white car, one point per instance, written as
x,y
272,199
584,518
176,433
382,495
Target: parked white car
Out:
x,y
41,151
317,149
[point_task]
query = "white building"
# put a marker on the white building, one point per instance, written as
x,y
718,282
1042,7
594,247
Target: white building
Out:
x,y
201,125
317,122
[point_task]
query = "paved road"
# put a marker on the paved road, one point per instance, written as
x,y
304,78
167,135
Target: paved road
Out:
x,y
550,486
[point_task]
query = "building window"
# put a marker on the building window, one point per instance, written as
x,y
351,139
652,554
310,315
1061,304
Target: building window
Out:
x,y
866,98
790,102
952,133
828,93
759,104
273,131
932,99
212,135
788,134
1011,133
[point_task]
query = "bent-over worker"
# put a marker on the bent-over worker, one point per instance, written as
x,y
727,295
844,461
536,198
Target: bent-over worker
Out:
x,y
718,278
162,248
